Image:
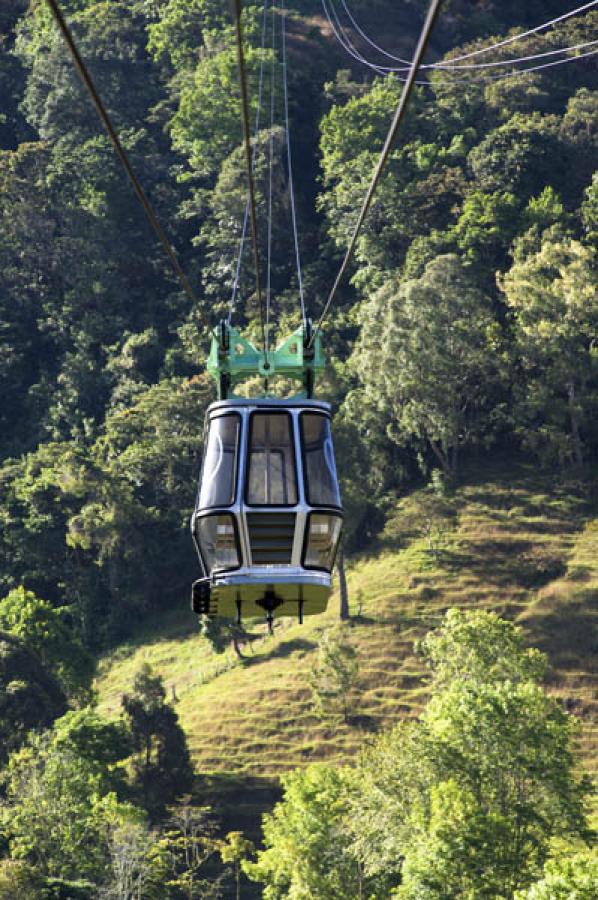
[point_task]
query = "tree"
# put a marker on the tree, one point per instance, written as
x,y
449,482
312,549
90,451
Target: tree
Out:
x,y
520,156
57,813
102,744
501,780
552,292
30,696
162,766
18,879
429,358
464,803
236,849
571,874
308,846
334,676
190,842
138,863
46,631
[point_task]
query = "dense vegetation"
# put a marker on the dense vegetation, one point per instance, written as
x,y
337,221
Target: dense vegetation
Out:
x,y
468,329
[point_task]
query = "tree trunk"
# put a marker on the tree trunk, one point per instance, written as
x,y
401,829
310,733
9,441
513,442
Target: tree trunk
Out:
x,y
237,645
577,446
344,614
442,459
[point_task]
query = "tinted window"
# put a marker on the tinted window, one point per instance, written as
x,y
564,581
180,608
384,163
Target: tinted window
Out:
x,y
217,541
271,479
220,463
320,471
323,533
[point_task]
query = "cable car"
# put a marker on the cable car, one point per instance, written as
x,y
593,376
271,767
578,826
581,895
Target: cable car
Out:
x,y
268,516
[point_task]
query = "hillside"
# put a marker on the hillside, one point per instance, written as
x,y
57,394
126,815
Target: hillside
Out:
x,y
510,540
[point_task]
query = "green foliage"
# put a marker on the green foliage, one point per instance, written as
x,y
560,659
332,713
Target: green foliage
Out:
x,y
567,876
465,802
307,845
44,629
55,814
552,292
30,696
162,765
429,358
101,744
480,646
236,849
189,844
333,679
18,879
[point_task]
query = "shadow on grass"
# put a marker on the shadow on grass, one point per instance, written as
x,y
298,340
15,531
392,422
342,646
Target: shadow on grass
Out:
x,y
360,619
363,722
283,650
508,563
569,632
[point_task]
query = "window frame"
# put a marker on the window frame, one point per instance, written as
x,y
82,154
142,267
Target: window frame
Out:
x,y
306,484
236,465
271,412
219,512
334,513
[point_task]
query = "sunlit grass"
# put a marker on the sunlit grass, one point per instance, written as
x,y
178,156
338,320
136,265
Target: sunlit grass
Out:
x,y
516,543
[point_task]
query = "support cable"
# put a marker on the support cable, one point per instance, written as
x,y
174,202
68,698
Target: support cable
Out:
x,y
399,115
270,178
450,64
345,42
120,151
290,166
256,129
248,158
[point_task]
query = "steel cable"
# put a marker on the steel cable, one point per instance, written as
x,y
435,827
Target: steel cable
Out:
x,y
120,151
253,162
290,166
270,177
450,64
248,158
349,48
399,115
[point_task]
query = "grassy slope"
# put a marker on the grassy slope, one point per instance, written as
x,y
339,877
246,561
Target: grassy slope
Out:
x,y
517,543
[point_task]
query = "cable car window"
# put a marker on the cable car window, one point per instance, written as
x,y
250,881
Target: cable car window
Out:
x,y
321,486
220,463
322,537
271,475
217,540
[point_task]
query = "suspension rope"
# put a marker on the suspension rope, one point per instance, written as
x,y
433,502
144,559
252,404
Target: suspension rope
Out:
x,y
248,159
345,42
523,34
120,151
449,64
270,176
399,115
290,166
243,237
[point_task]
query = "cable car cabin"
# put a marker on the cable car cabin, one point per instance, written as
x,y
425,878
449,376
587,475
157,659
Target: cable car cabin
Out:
x,y
268,515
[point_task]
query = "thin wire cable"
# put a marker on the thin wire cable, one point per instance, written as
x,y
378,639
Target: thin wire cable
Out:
x,y
290,165
399,115
243,237
248,159
383,71
523,34
270,178
450,63
449,66
120,151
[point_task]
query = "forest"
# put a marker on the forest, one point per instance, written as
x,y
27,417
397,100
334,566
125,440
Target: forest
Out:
x,y
462,351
